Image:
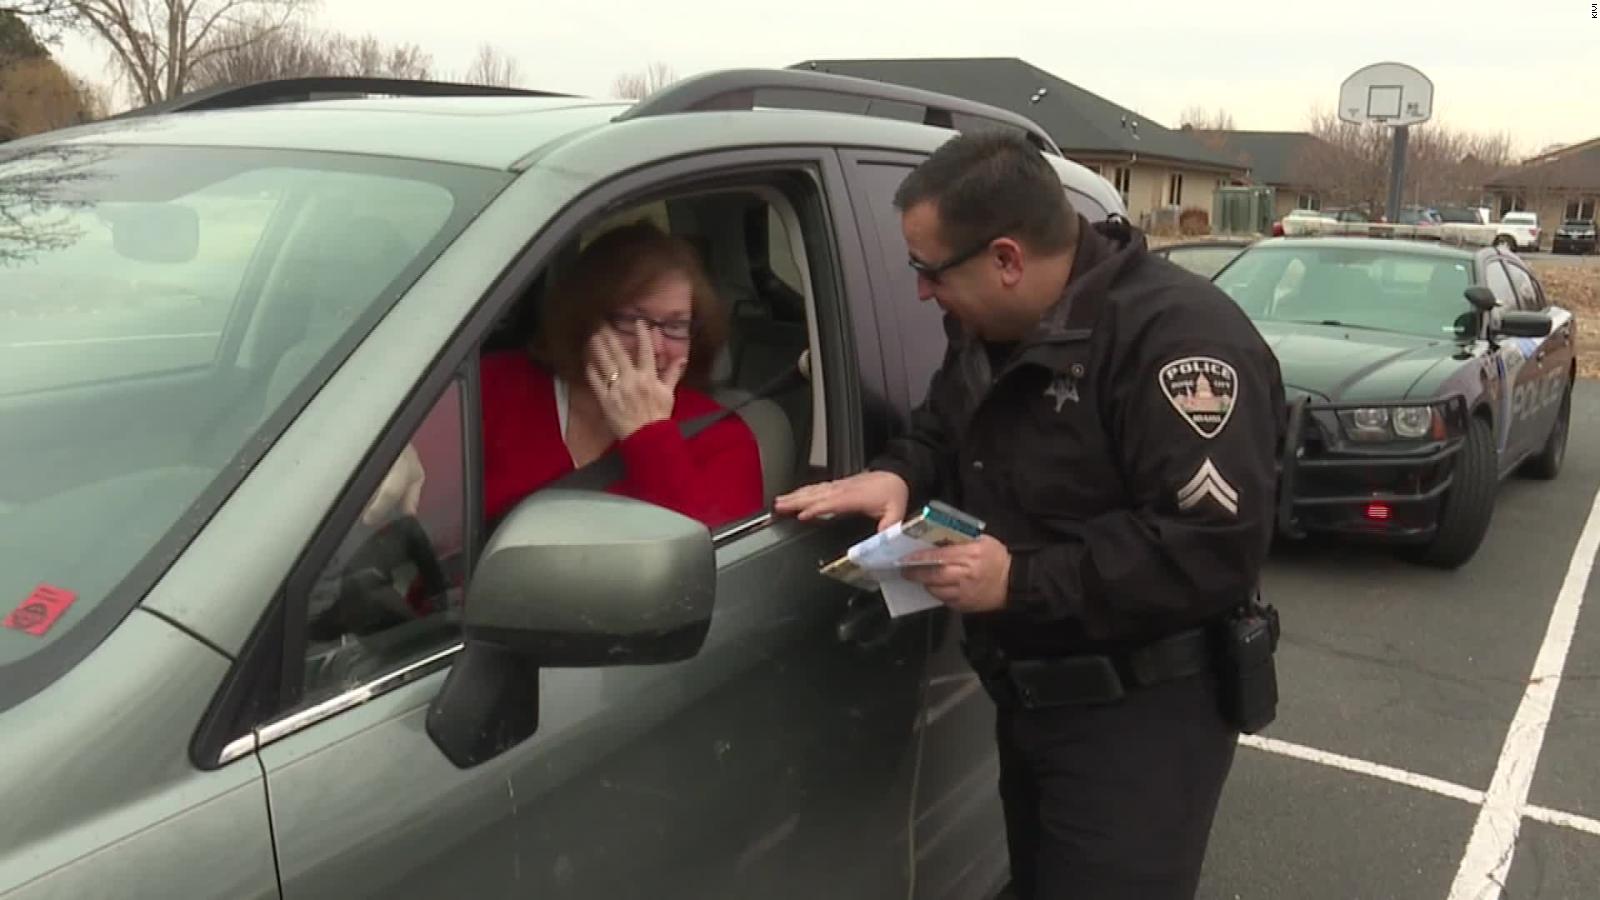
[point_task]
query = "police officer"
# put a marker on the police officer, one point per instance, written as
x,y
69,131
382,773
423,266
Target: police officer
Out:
x,y
1116,421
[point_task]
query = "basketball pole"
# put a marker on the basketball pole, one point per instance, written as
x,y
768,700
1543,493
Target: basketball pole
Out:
x,y
1397,171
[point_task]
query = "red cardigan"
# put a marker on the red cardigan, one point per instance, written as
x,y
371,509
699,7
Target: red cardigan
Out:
x,y
714,477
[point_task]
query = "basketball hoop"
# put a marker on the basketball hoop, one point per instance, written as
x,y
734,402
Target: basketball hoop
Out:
x,y
1392,94
1395,96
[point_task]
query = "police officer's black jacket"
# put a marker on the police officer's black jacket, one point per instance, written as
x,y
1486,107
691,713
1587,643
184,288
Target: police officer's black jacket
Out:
x,y
1125,452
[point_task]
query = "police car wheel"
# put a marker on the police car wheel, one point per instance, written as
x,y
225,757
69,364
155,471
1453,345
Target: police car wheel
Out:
x,y
1547,464
1468,505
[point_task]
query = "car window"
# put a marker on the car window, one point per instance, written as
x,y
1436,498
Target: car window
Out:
x,y
1203,261
391,592
1380,289
160,305
1498,282
1527,292
921,325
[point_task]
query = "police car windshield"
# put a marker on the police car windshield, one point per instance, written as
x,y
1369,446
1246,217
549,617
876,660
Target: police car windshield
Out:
x,y
1378,289
157,307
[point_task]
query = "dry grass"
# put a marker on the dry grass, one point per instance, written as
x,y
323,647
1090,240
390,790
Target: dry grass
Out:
x,y
1576,286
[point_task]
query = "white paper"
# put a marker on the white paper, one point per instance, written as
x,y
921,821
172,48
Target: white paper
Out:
x,y
880,555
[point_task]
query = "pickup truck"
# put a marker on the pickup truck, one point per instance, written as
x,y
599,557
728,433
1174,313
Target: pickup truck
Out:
x,y
1518,231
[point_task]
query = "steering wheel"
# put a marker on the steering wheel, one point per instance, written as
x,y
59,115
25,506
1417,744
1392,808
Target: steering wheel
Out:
x,y
367,598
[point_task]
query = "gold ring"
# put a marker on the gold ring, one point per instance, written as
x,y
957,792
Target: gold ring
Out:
x,y
613,378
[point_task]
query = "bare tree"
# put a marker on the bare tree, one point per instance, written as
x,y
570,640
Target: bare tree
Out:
x,y
158,43
492,67
368,56
17,40
47,18
1443,165
260,50
36,204
1198,118
254,51
639,85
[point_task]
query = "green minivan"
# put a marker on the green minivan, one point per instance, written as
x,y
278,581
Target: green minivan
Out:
x,y
221,321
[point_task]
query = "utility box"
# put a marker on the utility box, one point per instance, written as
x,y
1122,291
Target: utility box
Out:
x,y
1243,210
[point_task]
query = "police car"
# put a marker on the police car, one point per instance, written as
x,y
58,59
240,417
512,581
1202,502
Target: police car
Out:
x,y
1419,375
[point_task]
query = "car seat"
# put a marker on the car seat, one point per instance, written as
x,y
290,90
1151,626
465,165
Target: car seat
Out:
x,y
774,433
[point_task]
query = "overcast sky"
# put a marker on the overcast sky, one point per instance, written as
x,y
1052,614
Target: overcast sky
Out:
x,y
1530,68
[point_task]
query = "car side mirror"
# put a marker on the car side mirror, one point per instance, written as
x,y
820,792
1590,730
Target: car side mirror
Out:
x,y
570,579
1481,298
1523,324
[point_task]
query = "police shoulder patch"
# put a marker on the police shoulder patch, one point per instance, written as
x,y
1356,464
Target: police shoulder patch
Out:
x,y
1203,390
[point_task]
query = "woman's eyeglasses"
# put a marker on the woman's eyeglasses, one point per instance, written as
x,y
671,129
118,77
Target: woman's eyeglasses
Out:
x,y
672,329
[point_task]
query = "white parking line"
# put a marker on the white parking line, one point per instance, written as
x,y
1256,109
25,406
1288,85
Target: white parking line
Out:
x,y
1362,767
1494,837
1565,820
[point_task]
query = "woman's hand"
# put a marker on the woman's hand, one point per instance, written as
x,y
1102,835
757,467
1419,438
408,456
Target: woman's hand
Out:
x,y
400,492
630,392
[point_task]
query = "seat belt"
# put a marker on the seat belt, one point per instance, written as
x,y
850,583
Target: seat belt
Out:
x,y
599,474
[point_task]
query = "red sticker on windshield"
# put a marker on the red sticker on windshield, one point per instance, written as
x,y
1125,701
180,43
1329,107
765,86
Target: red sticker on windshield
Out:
x,y
43,607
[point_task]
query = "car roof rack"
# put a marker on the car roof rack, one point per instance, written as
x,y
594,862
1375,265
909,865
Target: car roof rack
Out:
x,y
291,90
735,89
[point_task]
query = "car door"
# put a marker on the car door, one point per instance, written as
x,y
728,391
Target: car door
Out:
x,y
778,762
1551,357
960,828
1519,374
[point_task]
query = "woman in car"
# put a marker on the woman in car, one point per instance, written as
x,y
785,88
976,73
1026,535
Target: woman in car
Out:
x,y
623,356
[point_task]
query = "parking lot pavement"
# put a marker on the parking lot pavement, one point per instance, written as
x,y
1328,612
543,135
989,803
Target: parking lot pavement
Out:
x,y
1572,259
1399,688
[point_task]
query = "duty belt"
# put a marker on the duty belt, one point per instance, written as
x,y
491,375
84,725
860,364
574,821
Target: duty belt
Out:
x,y
1089,678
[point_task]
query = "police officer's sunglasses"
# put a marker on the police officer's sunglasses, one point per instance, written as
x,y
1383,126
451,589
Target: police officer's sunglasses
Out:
x,y
932,272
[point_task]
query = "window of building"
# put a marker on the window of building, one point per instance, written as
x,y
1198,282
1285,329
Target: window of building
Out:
x,y
1175,189
1308,201
1581,209
1124,182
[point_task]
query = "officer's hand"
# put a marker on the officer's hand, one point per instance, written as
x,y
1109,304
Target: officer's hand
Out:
x,y
973,578
882,495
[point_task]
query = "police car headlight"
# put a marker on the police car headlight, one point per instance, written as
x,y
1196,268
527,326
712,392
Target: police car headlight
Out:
x,y
1370,419
1384,424
1366,424
1412,421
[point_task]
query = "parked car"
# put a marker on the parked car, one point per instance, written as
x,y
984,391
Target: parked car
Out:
x,y
1417,215
1345,214
1463,215
1297,217
1518,232
1420,375
1204,258
1574,236
224,326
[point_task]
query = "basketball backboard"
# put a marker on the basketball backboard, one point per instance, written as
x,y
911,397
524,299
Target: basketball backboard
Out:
x,y
1392,94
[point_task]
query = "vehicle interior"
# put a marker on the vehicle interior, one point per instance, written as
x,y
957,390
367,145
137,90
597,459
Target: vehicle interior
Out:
x,y
1380,290
400,587
750,242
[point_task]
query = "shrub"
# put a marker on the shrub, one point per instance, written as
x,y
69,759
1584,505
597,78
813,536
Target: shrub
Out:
x,y
1194,220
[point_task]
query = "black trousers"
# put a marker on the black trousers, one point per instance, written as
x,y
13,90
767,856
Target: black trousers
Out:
x,y
1114,801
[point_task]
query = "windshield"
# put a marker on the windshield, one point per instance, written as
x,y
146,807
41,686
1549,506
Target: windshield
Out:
x,y
157,306
1380,289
